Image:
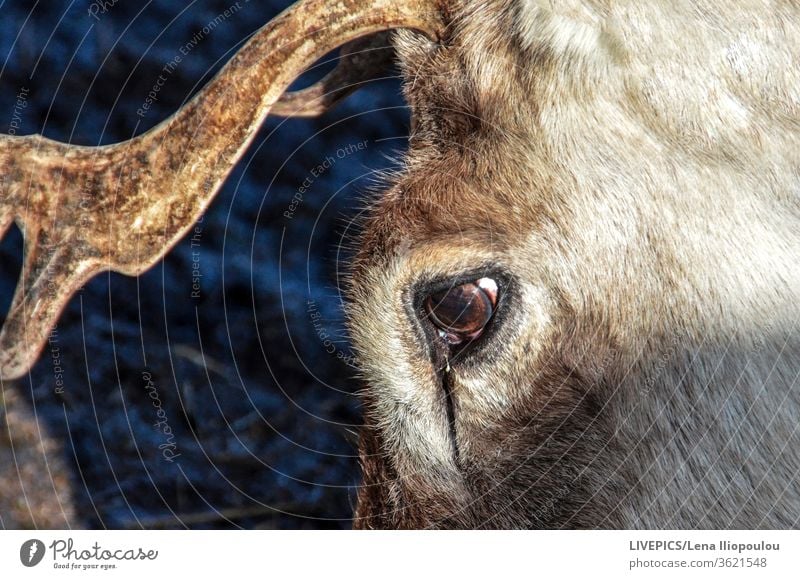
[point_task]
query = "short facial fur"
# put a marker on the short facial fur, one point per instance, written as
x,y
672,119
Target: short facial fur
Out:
x,y
630,173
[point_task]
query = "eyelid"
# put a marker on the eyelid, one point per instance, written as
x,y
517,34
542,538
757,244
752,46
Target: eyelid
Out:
x,y
435,348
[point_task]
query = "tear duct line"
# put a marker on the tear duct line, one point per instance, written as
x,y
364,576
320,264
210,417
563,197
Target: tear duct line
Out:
x,y
446,379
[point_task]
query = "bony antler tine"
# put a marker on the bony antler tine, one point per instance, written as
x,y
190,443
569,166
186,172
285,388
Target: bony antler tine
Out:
x,y
360,61
6,218
122,207
60,250
49,278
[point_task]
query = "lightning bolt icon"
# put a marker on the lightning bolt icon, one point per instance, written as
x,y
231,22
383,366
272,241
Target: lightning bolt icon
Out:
x,y
32,552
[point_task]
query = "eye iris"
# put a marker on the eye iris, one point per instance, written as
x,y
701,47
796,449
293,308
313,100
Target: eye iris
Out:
x,y
461,312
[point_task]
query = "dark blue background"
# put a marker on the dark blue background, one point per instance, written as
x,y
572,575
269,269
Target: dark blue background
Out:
x,y
265,426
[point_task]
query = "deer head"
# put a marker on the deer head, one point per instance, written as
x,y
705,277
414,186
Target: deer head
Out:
x,y
575,306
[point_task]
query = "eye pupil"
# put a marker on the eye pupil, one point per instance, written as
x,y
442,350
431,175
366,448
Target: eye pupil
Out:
x,y
461,312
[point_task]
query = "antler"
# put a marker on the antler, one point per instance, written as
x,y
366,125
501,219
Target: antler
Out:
x,y
84,210
360,61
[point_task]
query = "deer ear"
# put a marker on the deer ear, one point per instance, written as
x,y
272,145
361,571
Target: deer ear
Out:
x,y
84,210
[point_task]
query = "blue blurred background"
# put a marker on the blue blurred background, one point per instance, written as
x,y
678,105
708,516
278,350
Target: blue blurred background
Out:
x,y
251,369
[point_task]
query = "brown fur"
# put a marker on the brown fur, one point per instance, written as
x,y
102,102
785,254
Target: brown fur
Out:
x,y
639,187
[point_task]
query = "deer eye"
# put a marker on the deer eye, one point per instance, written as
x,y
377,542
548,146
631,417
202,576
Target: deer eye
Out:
x,y
460,313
